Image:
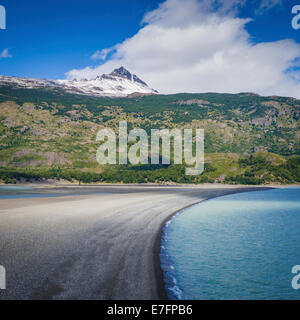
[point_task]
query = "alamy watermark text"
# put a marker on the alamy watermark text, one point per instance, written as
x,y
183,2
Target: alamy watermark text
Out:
x,y
2,18
138,153
296,19
2,278
296,278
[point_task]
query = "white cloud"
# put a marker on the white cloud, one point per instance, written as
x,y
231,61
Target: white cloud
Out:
x,y
99,55
192,46
102,54
5,54
268,4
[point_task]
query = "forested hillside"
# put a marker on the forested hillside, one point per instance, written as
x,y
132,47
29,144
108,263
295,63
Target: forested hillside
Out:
x,y
48,133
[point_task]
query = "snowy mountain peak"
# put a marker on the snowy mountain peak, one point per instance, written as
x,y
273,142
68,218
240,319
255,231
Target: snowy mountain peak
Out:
x,y
122,72
119,83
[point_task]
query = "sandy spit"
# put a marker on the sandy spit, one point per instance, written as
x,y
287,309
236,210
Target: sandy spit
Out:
x,y
102,245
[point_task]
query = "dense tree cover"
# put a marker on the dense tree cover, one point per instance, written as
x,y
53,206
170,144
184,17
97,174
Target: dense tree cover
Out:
x,y
220,104
256,170
174,174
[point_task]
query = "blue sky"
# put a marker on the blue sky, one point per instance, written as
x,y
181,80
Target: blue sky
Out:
x,y
49,38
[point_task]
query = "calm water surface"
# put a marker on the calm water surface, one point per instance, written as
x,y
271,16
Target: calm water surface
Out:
x,y
240,246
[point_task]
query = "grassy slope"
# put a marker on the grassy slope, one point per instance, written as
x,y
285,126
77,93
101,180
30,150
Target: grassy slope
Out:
x,y
51,133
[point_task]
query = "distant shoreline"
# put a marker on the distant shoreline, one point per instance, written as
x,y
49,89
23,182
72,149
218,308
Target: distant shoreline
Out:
x,y
73,184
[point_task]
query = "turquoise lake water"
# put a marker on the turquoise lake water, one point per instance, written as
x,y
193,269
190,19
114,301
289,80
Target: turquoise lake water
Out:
x,y
17,192
6,188
241,246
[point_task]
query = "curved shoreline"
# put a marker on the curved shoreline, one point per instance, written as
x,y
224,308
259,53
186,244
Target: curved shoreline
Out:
x,y
93,243
159,273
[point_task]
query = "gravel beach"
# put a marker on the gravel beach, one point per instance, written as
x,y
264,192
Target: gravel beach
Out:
x,y
97,242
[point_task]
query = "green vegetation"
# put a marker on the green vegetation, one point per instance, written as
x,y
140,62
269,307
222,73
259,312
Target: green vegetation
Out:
x,y
256,169
50,134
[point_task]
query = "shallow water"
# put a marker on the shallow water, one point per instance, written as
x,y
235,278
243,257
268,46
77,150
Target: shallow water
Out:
x,y
15,188
18,192
241,246
25,196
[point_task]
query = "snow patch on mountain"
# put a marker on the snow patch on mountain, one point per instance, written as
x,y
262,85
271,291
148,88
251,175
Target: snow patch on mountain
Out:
x,y
119,83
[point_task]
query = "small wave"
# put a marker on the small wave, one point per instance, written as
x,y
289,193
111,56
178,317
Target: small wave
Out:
x,y
173,290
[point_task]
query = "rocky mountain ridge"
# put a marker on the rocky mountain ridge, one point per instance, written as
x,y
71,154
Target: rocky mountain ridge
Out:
x,y
119,83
